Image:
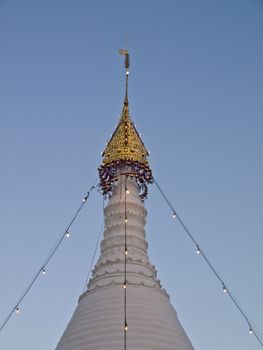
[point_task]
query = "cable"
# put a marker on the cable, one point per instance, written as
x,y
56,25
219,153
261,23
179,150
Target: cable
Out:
x,y
95,251
125,263
252,328
48,258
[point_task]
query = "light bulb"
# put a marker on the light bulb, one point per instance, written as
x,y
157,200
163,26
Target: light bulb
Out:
x,y
127,190
84,200
43,271
126,252
250,331
198,250
126,220
126,327
67,234
17,310
224,289
174,215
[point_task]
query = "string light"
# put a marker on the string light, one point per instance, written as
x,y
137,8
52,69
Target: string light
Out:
x,y
67,234
46,261
94,253
125,265
127,190
234,300
174,215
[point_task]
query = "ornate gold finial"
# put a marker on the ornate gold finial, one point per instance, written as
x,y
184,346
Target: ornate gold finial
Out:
x,y
125,146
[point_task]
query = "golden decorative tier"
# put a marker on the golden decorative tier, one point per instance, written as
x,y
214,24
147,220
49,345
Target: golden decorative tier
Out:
x,y
125,144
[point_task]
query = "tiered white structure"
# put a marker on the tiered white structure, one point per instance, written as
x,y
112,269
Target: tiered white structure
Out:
x,y
99,320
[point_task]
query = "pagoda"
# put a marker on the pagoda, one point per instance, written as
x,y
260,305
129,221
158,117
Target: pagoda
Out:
x,y
124,306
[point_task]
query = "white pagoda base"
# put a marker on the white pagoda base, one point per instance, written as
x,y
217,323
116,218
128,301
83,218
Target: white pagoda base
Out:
x,y
98,321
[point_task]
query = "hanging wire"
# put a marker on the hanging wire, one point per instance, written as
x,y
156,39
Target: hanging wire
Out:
x,y
48,258
125,263
95,251
250,323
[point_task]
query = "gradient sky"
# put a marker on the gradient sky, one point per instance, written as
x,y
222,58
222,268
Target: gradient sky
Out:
x,y
196,84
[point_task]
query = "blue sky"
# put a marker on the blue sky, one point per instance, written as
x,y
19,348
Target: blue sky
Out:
x,y
196,88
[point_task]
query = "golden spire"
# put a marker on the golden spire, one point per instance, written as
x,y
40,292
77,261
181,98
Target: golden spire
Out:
x,y
125,147
125,143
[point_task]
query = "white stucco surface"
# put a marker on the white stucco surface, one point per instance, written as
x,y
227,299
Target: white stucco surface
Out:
x,y
98,321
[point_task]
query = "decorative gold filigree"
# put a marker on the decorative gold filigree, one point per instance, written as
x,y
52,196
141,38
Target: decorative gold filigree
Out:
x,y
125,143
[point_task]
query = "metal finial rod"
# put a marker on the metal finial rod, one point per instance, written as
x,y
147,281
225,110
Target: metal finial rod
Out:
x,y
126,65
127,58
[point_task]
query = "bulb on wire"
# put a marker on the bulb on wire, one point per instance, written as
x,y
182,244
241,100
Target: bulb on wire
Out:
x,y
126,327
198,250
250,330
126,252
127,190
174,215
67,234
17,310
126,220
43,271
224,289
